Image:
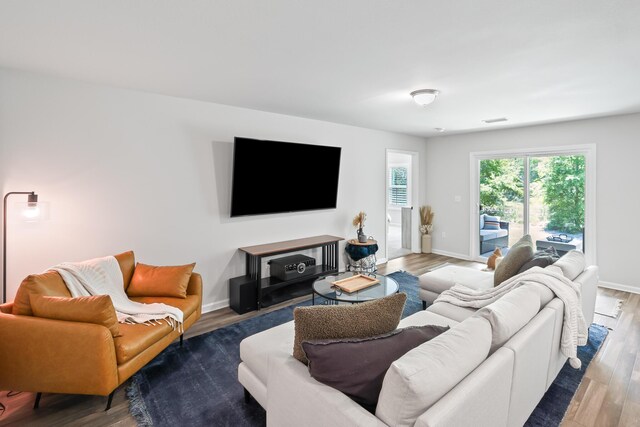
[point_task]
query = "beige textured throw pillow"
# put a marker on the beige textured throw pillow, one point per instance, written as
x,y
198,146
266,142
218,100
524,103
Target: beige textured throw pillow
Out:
x,y
362,320
572,264
518,254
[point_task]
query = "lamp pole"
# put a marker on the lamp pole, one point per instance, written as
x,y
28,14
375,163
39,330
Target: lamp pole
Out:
x,y
33,198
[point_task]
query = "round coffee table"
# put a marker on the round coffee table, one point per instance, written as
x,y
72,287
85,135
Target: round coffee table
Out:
x,y
324,288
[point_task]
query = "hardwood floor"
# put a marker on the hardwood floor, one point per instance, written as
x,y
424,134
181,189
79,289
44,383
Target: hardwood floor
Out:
x,y
610,391
608,396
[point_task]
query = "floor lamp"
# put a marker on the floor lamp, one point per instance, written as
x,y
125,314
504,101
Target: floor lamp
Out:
x,y
32,212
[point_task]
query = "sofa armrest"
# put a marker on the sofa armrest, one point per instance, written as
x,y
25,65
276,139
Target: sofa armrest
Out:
x,y
295,399
56,356
6,308
504,225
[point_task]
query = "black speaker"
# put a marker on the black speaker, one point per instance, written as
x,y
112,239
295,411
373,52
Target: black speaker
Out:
x,y
242,294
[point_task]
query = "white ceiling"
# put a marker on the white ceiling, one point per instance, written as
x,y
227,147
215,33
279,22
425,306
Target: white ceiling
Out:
x,y
352,61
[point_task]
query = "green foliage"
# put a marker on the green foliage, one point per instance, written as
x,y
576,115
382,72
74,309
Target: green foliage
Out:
x,y
559,180
563,188
500,182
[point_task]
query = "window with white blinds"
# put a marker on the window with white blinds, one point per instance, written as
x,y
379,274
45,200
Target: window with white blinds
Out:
x,y
398,186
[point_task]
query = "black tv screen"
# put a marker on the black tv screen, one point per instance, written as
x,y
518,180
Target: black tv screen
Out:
x,y
274,177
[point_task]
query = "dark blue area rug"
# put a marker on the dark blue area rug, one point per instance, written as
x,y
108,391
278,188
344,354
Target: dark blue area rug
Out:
x,y
197,384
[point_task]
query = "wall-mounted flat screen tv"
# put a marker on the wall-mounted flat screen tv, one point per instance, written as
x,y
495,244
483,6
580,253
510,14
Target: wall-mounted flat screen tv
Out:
x,y
275,177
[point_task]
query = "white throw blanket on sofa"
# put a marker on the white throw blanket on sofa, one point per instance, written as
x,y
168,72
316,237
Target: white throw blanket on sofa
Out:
x,y
574,326
102,276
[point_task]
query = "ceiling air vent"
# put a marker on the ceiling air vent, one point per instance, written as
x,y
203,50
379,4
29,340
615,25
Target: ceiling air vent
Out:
x,y
498,120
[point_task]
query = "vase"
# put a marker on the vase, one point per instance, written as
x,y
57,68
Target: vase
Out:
x,y
362,238
426,243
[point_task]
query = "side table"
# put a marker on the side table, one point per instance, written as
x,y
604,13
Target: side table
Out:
x,y
361,257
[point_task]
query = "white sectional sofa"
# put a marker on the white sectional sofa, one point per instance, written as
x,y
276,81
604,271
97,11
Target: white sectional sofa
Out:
x,y
501,388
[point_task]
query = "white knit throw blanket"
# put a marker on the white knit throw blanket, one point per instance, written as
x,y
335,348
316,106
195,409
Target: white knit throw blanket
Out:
x,y
574,326
102,276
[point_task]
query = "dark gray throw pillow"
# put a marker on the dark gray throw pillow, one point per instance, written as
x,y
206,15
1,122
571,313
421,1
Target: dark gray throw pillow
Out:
x,y
357,367
542,259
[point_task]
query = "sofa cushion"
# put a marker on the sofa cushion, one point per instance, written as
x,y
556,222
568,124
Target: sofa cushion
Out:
x,y
256,350
425,317
356,366
127,263
451,311
165,281
518,254
187,305
572,264
421,377
346,321
49,283
92,309
482,221
486,235
510,313
541,259
444,278
134,339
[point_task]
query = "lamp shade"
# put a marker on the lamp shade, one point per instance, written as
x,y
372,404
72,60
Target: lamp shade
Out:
x,y
424,97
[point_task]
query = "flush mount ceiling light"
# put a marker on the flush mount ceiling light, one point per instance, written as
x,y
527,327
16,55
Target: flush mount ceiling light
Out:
x,y
439,129
424,97
498,120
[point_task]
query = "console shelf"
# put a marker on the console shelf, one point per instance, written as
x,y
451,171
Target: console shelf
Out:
x,y
252,291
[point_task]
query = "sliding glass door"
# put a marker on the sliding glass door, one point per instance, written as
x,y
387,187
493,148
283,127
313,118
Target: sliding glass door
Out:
x,y
543,196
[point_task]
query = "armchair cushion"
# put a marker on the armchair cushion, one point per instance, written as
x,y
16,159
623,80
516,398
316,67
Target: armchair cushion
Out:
x,y
152,281
491,222
137,338
188,305
94,309
49,283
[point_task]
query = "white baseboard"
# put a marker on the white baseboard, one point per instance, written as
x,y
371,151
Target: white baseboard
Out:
x,y
619,287
451,254
213,306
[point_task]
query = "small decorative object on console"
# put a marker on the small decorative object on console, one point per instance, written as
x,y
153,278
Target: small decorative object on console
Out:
x,y
358,222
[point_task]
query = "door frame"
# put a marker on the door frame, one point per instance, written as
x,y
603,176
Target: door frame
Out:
x,y
415,198
587,150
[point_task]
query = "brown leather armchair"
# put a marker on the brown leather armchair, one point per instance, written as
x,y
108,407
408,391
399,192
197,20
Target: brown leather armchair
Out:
x,y
55,356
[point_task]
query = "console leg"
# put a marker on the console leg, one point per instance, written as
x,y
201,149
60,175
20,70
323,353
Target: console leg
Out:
x,y
424,305
247,396
109,400
181,339
36,405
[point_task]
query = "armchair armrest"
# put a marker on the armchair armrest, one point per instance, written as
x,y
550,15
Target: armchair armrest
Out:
x,y
195,285
295,399
504,225
195,288
6,308
56,356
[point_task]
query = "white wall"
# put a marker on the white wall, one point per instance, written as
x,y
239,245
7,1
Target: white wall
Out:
x,y
131,170
617,142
